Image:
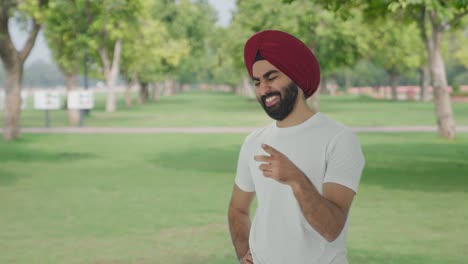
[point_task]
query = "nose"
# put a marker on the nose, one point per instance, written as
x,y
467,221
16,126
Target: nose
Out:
x,y
264,87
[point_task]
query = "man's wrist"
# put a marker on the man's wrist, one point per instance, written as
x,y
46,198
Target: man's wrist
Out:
x,y
299,182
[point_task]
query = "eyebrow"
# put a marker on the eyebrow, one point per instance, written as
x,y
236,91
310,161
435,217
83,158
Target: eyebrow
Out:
x,y
266,75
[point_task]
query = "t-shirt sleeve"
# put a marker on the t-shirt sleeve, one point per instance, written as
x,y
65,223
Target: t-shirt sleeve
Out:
x,y
345,160
243,178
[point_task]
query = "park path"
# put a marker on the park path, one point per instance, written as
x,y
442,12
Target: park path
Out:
x,y
211,130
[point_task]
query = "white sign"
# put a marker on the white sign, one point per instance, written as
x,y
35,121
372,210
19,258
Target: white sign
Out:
x,y
83,99
47,100
24,100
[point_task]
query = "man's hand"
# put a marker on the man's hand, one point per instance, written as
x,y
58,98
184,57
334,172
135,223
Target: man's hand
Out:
x,y
279,167
247,259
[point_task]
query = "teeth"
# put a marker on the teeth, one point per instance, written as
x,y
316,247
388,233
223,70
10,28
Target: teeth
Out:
x,y
269,99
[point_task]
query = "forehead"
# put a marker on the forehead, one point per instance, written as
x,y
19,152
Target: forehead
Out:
x,y
261,67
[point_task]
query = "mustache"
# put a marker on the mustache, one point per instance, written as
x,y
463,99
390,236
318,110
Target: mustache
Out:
x,y
265,96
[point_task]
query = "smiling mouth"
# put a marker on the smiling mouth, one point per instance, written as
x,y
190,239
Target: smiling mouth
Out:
x,y
271,99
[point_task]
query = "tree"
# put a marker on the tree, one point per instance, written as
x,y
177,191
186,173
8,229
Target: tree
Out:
x,y
337,43
434,18
194,22
31,11
65,31
395,47
109,21
439,16
151,51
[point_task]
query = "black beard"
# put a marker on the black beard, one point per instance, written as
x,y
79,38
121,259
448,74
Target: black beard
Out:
x,y
285,106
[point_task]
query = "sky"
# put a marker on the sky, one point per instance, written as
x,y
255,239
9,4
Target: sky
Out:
x,y
42,52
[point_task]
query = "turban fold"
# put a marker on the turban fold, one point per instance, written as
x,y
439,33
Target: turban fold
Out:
x,y
288,54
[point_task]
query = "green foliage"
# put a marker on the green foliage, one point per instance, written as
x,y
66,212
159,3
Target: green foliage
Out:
x,y
189,25
66,33
76,27
35,9
366,73
337,43
445,10
460,79
395,46
150,51
457,43
2,73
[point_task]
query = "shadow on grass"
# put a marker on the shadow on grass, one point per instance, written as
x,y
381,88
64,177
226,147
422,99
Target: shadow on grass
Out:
x,y
8,177
354,256
432,166
201,160
378,257
33,155
231,259
20,153
427,167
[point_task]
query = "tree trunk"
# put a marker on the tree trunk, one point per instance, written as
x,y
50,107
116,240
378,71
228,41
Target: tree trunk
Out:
x,y
186,87
247,87
131,83
13,61
424,82
128,93
443,105
156,92
168,87
314,99
323,86
348,79
143,94
70,84
175,87
111,72
394,79
12,109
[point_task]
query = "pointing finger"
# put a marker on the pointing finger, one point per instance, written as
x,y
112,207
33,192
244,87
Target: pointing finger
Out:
x,y
270,150
263,158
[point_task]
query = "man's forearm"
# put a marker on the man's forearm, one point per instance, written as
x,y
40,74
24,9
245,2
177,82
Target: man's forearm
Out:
x,y
324,216
239,226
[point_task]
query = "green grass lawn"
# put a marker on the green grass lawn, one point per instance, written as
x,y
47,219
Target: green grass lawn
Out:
x,y
163,199
197,108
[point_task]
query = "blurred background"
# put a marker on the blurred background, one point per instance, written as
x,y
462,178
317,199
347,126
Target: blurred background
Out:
x,y
122,121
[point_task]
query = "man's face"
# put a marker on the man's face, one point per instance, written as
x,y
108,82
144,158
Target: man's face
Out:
x,y
275,92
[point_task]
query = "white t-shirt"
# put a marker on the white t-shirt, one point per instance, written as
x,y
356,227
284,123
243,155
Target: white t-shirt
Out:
x,y
326,151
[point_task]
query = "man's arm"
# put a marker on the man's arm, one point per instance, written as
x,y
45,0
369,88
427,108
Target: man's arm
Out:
x,y
239,220
327,214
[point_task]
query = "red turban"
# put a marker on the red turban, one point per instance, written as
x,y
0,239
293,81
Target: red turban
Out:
x,y
288,54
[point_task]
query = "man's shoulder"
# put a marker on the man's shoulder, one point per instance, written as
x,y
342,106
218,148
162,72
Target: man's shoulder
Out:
x,y
331,126
256,134
338,133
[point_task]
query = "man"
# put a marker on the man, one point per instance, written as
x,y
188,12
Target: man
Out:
x,y
304,168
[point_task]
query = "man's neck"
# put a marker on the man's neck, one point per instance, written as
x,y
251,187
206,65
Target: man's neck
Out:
x,y
298,115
